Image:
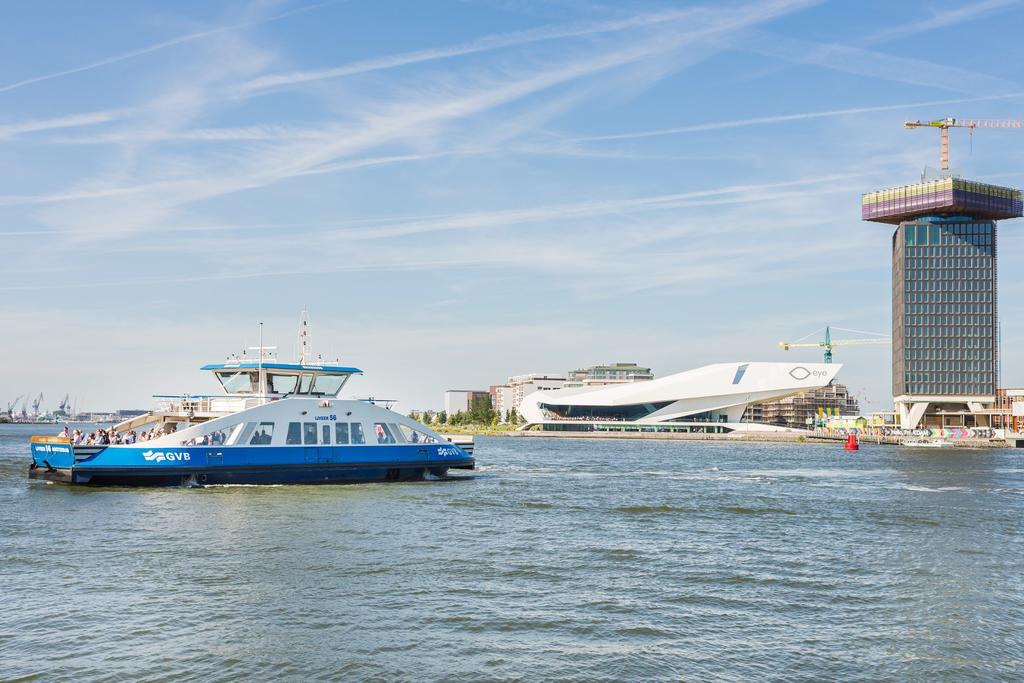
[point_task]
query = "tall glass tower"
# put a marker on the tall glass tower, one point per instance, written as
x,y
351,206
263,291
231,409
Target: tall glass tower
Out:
x,y
945,351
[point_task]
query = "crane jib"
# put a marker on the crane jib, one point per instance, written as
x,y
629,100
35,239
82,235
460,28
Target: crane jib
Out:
x,y
945,124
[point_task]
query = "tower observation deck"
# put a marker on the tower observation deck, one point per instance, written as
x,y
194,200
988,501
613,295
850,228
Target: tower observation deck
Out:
x,y
945,197
944,299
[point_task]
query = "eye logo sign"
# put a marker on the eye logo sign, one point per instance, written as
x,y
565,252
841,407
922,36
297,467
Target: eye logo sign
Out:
x,y
161,456
799,373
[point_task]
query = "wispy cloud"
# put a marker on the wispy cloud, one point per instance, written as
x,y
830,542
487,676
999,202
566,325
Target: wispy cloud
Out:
x,y
215,135
384,228
784,118
9,130
732,194
156,47
943,19
484,44
696,262
686,253
863,62
408,118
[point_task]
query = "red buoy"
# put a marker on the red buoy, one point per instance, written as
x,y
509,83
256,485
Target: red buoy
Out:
x,y
851,443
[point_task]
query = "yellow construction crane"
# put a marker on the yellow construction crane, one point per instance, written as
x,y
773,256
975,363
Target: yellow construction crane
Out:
x,y
828,342
945,124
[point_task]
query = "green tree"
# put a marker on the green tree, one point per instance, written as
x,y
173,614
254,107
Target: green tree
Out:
x,y
427,417
413,415
442,417
481,411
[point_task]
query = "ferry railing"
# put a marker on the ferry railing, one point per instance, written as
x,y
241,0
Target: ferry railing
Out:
x,y
187,404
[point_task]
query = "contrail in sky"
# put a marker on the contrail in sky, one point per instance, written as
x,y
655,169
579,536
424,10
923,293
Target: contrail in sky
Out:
x,y
484,44
160,46
739,123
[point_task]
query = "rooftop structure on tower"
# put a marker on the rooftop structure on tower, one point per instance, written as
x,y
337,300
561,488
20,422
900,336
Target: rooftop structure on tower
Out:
x,y
944,197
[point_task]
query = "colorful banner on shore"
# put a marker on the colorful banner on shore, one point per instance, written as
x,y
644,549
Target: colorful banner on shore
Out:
x,y
936,433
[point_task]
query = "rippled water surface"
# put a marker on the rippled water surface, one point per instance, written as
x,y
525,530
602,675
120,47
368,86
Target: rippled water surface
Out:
x,y
587,560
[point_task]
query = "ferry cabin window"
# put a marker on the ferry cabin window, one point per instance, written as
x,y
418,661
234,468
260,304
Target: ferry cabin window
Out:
x,y
328,385
341,433
383,433
304,385
325,435
237,382
309,433
357,433
262,434
294,436
246,436
399,437
220,436
413,435
283,384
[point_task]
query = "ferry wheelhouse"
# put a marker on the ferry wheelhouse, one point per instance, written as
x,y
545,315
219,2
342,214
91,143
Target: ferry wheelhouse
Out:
x,y
274,423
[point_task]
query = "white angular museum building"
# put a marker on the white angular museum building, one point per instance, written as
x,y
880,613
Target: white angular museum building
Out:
x,y
710,399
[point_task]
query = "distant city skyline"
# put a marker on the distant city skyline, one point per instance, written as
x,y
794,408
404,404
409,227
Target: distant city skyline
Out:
x,y
465,191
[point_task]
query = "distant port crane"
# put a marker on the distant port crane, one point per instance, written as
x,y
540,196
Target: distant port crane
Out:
x,y
64,407
828,342
36,404
12,405
949,122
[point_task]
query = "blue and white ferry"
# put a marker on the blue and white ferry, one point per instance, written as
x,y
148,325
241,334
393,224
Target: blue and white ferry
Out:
x,y
275,423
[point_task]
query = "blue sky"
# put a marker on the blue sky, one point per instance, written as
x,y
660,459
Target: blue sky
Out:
x,y
460,191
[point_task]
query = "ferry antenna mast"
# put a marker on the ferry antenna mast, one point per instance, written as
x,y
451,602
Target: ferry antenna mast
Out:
x,y
305,340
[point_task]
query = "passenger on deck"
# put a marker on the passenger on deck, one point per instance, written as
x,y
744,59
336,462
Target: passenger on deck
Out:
x,y
77,437
65,433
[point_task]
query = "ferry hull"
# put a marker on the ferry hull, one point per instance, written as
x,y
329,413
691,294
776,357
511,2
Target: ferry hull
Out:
x,y
284,474
201,466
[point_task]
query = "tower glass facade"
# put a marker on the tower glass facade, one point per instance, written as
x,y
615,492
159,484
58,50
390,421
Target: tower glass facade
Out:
x,y
944,308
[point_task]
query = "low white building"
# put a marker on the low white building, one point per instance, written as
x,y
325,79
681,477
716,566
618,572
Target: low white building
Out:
x,y
501,396
710,399
522,386
460,400
612,373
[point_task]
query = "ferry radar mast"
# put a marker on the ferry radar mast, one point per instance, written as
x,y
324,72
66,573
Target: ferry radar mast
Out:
x,y
305,341
261,377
